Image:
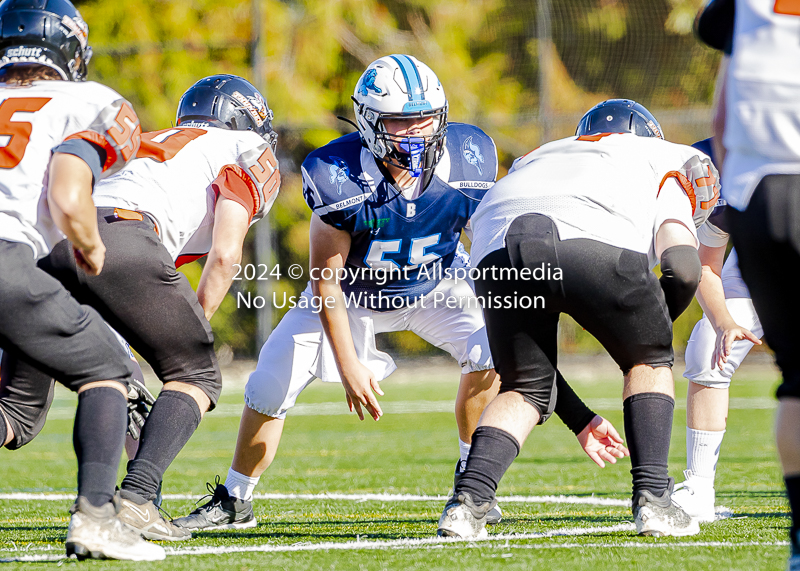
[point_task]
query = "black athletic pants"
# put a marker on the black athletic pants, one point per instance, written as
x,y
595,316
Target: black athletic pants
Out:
x,y
767,238
49,331
608,290
142,296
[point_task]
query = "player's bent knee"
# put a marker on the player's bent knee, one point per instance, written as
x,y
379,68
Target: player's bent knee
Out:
x,y
713,381
478,353
539,393
203,384
118,385
199,395
21,428
267,395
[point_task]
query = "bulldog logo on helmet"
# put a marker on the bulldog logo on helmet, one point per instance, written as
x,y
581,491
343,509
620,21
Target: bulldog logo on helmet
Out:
x,y
369,83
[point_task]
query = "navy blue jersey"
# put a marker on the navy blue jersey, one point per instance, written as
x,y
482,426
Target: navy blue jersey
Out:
x,y
717,217
412,240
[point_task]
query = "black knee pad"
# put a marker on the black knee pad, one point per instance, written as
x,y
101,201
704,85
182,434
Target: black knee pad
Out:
x,y
539,393
680,276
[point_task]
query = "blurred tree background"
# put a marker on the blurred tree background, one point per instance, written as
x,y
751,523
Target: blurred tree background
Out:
x,y
524,71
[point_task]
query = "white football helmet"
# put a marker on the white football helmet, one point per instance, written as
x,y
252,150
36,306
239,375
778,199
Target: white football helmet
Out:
x,y
401,87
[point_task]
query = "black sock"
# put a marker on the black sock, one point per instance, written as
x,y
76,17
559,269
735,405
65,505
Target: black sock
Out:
x,y
492,452
648,427
172,421
98,437
793,492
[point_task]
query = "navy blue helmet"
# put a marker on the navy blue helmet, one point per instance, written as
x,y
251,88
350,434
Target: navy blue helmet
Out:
x,y
227,101
44,32
619,116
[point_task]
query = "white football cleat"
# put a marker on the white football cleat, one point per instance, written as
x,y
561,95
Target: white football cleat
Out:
x,y
696,497
97,533
659,516
462,518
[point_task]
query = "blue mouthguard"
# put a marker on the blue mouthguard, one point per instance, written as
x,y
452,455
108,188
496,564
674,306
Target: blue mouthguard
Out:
x,y
415,147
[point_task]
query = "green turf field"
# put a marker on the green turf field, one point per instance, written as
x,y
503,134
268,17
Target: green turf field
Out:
x,y
413,453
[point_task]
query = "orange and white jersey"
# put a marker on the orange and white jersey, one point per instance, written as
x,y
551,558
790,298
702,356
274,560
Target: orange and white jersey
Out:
x,y
762,96
617,189
38,117
178,175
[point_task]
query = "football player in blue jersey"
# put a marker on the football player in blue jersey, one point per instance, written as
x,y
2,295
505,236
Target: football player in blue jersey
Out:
x,y
719,343
389,204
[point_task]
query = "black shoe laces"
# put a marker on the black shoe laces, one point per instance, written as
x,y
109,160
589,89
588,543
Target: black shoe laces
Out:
x,y
165,514
212,493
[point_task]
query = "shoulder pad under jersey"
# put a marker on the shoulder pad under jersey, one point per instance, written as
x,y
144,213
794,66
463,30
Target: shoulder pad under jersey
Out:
x,y
115,128
473,159
332,185
706,147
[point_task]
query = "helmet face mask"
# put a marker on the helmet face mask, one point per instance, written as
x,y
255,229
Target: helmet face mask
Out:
x,y
49,33
417,153
399,87
229,102
619,116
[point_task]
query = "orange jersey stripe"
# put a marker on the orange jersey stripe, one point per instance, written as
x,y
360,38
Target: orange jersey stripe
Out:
x,y
234,184
100,141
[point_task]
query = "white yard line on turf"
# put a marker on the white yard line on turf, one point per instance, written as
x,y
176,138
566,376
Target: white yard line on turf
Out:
x,y
439,542
580,500
67,411
648,545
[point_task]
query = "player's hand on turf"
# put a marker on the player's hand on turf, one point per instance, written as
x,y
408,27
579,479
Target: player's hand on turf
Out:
x,y
601,442
726,337
359,382
90,261
140,400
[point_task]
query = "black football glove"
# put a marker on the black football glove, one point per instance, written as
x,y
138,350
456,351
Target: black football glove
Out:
x,y
139,402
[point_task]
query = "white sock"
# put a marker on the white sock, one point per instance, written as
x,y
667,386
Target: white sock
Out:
x,y
241,486
463,448
702,452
